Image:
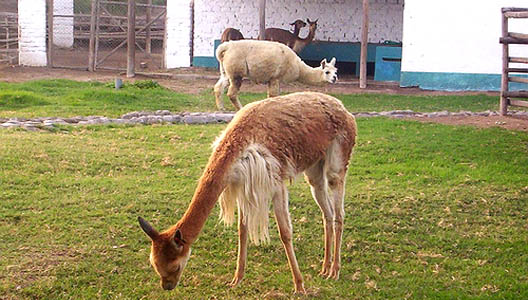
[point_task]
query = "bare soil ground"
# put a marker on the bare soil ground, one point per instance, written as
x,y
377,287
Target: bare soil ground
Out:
x,y
198,80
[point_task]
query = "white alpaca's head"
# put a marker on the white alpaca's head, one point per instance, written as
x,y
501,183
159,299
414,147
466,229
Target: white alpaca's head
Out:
x,y
329,70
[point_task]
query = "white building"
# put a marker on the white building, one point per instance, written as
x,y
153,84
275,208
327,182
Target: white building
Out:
x,y
444,45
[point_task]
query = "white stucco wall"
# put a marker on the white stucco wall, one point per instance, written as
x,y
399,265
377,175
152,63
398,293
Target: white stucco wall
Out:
x,y
63,26
178,22
32,32
457,36
339,20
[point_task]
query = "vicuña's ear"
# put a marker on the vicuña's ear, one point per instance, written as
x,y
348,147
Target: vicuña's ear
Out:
x,y
333,61
323,63
147,228
178,238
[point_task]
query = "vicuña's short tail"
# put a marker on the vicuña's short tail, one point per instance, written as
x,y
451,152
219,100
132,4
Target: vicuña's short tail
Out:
x,y
253,179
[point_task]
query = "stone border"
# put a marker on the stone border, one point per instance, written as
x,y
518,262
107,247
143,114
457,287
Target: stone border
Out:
x,y
166,117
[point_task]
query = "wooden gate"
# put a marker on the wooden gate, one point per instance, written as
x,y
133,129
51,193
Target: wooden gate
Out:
x,y
511,38
94,34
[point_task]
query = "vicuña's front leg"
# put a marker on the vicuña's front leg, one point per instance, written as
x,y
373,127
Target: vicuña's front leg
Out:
x,y
242,250
282,215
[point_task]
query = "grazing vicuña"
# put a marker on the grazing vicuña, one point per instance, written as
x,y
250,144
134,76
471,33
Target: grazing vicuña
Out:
x,y
268,143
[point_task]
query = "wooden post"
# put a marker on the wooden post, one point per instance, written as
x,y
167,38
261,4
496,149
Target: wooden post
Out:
x,y
91,50
164,48
131,40
505,63
262,19
148,40
97,31
364,44
50,33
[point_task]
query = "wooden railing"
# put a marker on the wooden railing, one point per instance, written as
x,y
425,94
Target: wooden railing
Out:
x,y
509,38
8,37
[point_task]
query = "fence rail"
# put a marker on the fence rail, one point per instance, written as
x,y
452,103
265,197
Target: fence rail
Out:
x,y
512,38
8,37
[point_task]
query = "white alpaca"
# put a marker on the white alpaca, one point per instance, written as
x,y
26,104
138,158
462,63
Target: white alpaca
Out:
x,y
264,62
268,143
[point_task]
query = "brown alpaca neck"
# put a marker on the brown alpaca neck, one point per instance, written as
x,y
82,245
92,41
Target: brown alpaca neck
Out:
x,y
300,43
296,31
210,186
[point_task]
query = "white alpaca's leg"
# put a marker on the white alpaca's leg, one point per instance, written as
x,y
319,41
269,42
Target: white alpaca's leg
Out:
x,y
282,216
316,177
242,250
232,92
219,90
274,88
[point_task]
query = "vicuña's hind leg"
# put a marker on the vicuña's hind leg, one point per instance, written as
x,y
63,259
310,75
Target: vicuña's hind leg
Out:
x,y
337,187
282,215
219,90
242,250
316,177
232,92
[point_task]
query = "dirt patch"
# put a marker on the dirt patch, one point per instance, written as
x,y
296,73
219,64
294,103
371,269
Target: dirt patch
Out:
x,y
507,122
199,80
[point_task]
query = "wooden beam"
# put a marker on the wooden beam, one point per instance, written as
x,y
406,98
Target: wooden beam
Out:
x,y
512,40
50,33
517,70
517,94
131,39
262,19
519,60
91,47
518,79
504,80
148,40
364,44
517,14
519,103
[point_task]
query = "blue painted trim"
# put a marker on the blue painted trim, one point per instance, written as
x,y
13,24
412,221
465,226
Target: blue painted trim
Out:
x,y
456,81
205,61
388,63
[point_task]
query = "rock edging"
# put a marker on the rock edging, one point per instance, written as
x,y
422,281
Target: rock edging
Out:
x,y
166,117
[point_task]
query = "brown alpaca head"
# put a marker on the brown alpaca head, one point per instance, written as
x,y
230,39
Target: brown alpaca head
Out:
x,y
169,254
298,24
312,25
329,70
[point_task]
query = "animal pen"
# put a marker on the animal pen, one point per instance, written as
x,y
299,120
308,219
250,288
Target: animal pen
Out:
x,y
511,38
95,34
8,37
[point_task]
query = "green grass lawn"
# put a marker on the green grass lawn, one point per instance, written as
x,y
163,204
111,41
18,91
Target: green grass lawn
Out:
x,y
65,98
432,211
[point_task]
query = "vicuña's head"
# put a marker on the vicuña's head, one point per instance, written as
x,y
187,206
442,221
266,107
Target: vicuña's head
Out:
x,y
329,70
312,25
298,24
168,255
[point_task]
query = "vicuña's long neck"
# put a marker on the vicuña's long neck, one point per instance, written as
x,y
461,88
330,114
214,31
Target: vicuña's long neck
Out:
x,y
296,31
310,36
209,188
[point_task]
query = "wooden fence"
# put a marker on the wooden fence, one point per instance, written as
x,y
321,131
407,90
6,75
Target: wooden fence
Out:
x,y
8,37
512,38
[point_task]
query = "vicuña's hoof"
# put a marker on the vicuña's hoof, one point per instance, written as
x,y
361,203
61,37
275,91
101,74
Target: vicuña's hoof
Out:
x,y
235,282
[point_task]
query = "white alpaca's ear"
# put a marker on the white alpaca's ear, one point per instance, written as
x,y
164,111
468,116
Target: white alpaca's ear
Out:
x,y
333,61
323,63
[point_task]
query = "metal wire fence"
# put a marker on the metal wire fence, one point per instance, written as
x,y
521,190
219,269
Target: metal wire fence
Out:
x,y
93,33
